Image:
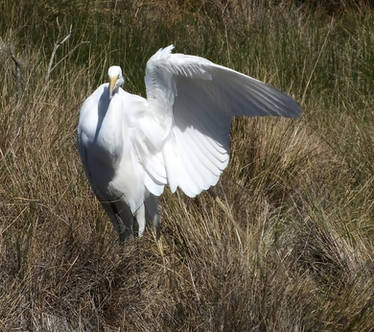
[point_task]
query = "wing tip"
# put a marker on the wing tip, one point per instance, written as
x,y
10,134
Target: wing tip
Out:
x,y
161,53
169,49
164,51
295,111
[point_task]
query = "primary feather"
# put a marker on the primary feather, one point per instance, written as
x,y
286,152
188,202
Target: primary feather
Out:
x,y
179,136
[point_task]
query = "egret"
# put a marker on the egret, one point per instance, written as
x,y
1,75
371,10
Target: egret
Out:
x,y
131,147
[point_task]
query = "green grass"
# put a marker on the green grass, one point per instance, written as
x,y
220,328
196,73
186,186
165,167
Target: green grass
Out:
x,y
290,246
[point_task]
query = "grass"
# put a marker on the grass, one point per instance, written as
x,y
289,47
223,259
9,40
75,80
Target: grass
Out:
x,y
290,246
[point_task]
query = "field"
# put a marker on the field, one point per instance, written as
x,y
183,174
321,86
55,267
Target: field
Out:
x,y
289,243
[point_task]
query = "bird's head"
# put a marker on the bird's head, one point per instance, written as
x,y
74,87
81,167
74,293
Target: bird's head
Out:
x,y
115,79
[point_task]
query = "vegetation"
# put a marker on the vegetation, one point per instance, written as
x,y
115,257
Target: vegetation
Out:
x,y
289,245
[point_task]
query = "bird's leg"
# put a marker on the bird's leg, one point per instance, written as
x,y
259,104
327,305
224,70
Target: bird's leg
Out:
x,y
118,224
152,216
156,225
140,218
138,231
135,227
137,263
124,230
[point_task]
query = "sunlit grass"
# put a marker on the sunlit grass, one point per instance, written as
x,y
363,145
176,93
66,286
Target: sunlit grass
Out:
x,y
287,243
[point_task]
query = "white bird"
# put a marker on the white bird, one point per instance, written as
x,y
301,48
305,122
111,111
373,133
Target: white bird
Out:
x,y
131,147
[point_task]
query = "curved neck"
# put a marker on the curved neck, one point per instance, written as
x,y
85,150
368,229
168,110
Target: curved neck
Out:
x,y
114,92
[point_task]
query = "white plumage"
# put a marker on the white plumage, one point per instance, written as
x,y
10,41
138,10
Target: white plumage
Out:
x,y
179,136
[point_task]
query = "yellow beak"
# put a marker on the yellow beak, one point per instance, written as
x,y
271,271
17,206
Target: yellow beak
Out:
x,y
112,83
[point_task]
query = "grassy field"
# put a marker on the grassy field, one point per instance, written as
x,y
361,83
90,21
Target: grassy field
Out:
x,y
292,246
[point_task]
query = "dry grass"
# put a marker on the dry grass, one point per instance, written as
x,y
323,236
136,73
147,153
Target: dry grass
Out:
x,y
288,244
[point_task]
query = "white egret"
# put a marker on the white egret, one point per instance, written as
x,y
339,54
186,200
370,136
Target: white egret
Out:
x,y
131,147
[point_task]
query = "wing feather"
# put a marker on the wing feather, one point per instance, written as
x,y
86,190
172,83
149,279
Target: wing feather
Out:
x,y
205,158
196,99
203,174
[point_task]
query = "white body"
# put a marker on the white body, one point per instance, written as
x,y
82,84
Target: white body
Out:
x,y
132,147
107,145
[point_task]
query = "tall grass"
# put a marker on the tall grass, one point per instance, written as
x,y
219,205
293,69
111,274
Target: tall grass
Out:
x,y
287,246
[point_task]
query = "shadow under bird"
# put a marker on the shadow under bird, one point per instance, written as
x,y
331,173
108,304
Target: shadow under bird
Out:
x,y
131,147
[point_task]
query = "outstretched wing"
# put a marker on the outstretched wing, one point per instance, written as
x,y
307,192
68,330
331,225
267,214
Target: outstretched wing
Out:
x,y
194,100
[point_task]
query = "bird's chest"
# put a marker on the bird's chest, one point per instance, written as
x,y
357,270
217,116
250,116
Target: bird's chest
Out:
x,y
104,140
108,140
